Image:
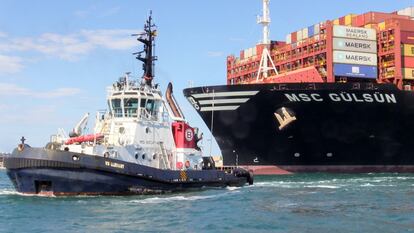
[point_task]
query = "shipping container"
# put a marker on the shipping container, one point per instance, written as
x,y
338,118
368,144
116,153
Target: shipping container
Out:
x,y
342,21
406,24
305,33
381,26
371,25
300,35
408,62
408,73
294,37
355,71
407,50
248,53
316,29
346,57
336,21
348,19
407,37
289,39
363,46
354,32
358,21
378,17
311,31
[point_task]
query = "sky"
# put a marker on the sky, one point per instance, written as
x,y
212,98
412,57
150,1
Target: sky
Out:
x,y
58,57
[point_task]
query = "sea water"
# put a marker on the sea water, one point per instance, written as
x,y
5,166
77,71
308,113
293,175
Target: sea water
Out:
x,y
289,203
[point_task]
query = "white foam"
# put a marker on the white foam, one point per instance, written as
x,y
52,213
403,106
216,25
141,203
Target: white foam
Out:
x,y
232,188
7,192
323,186
158,200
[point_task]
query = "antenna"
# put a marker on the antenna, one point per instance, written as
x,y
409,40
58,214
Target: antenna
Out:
x,y
264,61
146,56
265,21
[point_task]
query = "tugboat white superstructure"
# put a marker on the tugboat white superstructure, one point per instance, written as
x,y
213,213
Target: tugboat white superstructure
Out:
x,y
141,144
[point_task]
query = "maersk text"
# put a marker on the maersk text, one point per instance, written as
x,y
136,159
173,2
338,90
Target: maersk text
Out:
x,y
343,97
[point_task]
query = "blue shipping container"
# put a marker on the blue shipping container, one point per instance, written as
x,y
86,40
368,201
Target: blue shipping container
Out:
x,y
311,31
355,71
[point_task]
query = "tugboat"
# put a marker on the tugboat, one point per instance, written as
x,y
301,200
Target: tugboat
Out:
x,y
141,144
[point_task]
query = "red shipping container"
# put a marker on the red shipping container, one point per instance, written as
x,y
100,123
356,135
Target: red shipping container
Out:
x,y
259,49
358,21
294,37
342,21
407,37
406,24
378,17
408,62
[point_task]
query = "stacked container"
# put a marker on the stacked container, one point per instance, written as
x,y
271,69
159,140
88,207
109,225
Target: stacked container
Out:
x,y
354,52
407,52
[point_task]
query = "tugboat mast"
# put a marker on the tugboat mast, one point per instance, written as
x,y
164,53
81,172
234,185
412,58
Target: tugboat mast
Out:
x,y
147,38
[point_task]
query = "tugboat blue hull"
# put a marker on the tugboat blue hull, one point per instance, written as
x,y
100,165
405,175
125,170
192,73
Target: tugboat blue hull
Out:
x,y
47,172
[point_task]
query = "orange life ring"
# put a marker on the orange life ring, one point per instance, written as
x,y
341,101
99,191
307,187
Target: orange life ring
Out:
x,y
187,164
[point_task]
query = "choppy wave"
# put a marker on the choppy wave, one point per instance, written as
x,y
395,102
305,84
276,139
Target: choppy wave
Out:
x,y
161,199
386,181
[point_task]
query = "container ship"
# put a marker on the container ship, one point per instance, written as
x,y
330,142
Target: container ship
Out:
x,y
333,97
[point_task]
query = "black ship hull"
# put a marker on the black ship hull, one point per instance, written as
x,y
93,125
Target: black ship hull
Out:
x,y
47,172
283,128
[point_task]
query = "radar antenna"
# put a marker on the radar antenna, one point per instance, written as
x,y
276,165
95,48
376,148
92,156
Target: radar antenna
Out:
x,y
264,60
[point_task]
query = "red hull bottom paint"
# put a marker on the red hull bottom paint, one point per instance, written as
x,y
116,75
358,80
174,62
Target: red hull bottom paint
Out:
x,y
285,170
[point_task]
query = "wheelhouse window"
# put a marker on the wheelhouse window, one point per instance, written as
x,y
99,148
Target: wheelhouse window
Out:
x,y
116,107
131,107
150,108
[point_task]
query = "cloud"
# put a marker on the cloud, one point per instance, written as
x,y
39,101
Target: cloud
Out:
x,y
111,11
111,39
7,89
69,47
10,64
215,53
95,11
